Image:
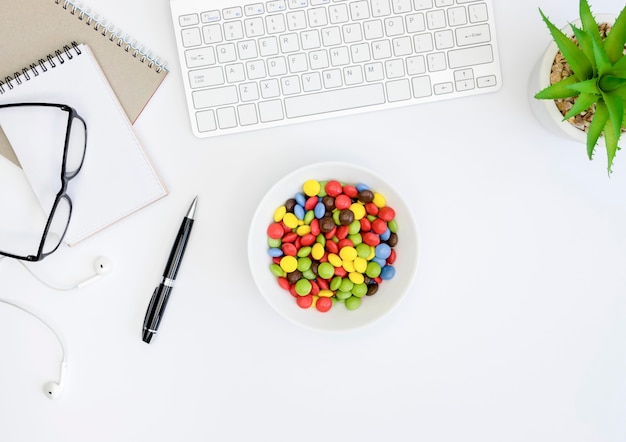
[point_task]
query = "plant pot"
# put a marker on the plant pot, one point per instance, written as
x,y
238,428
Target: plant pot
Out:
x,y
546,111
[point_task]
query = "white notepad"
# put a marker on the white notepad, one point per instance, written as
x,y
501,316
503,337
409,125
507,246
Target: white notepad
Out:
x,y
117,177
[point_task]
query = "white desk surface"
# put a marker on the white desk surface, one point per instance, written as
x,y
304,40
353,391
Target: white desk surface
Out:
x,y
513,331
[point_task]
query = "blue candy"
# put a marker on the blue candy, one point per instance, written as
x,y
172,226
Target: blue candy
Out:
x,y
360,187
382,251
319,210
300,198
385,235
387,272
299,211
274,252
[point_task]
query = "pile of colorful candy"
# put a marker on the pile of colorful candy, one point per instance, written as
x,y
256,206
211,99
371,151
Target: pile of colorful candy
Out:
x,y
331,243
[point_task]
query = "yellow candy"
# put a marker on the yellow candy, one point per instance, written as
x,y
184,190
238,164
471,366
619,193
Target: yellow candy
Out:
x,y
289,263
317,251
311,187
303,230
358,210
379,200
348,253
325,293
356,277
279,213
334,259
348,266
291,220
360,264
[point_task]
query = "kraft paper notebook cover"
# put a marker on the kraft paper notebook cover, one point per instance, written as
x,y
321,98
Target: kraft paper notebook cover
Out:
x,y
117,177
30,29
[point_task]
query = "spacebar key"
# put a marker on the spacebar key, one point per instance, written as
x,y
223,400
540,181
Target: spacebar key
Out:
x,y
335,100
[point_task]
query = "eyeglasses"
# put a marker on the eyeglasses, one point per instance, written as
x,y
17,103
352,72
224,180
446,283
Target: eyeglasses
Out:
x,y
25,245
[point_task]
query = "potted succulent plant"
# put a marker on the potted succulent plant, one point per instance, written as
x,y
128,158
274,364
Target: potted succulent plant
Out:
x,y
585,82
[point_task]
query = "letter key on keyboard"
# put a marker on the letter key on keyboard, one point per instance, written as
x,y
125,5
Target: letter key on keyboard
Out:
x,y
247,65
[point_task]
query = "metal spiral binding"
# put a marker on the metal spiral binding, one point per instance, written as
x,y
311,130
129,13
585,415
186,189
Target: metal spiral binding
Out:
x,y
42,65
122,41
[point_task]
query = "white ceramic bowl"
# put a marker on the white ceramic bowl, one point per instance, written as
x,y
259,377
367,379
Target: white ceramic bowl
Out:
x,y
372,308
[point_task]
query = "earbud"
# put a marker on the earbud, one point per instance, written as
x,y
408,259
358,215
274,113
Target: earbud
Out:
x,y
101,266
54,389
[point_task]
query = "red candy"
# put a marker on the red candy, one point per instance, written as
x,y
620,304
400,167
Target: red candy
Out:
x,y
379,226
386,213
333,188
275,231
343,202
323,304
350,191
304,301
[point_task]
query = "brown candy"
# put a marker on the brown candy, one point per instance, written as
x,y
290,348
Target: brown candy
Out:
x,y
329,203
366,196
371,289
294,276
327,224
393,240
290,204
346,217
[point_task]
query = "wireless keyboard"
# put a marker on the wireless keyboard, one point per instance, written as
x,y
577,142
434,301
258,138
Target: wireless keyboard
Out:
x,y
250,65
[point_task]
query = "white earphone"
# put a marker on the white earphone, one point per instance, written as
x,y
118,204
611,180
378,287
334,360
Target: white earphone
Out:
x,y
101,266
52,389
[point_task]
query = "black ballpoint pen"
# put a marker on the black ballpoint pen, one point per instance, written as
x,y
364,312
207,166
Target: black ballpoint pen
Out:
x,y
161,294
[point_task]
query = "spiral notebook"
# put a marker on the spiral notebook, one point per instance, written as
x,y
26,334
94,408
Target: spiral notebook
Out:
x,y
32,28
117,177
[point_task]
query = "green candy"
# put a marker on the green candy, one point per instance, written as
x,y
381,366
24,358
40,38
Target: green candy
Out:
x,y
335,283
277,270
353,303
393,225
356,239
363,250
304,264
303,287
274,243
304,251
342,295
325,270
373,269
359,290
309,274
346,285
354,227
308,217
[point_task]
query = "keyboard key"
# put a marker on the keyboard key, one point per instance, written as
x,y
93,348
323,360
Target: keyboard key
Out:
x,y
215,97
398,90
247,114
191,37
188,20
204,56
460,58
332,101
472,35
271,111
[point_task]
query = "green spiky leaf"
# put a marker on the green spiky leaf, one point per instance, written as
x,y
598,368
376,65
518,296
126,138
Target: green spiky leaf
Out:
x,y
600,118
616,39
589,23
558,90
615,106
585,42
582,103
587,87
573,54
610,140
